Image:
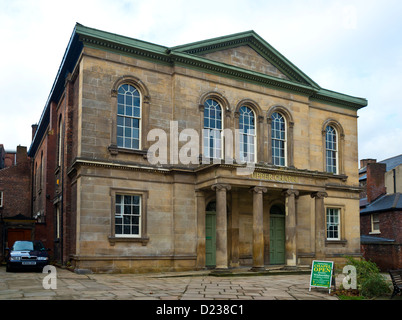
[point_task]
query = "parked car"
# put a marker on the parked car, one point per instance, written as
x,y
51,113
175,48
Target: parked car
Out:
x,y
27,255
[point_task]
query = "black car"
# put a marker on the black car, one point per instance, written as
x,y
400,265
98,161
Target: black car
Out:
x,y
27,255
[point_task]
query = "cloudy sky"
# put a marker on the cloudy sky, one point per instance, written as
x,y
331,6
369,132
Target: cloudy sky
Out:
x,y
350,46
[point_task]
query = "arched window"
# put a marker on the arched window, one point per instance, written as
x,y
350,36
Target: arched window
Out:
x,y
128,117
59,142
331,148
213,126
278,137
247,130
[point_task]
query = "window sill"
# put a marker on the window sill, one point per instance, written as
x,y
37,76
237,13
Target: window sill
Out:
x,y
342,242
375,232
113,239
115,150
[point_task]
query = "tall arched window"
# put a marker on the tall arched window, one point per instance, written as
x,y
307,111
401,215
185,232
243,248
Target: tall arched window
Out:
x,y
213,129
128,117
59,142
247,130
278,137
331,148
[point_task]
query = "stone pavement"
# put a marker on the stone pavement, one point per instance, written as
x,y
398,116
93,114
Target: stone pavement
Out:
x,y
163,286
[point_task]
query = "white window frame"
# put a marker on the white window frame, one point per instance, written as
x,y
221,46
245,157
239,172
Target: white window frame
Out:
x,y
284,141
1,199
248,137
131,117
375,219
328,223
332,150
121,215
209,133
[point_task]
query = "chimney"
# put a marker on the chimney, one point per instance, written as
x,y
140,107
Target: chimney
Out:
x,y
365,162
375,181
34,127
21,155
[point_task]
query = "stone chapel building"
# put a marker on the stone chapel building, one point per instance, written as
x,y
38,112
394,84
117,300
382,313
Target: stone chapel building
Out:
x,y
213,154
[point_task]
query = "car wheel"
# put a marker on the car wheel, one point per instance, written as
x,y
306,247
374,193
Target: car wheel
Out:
x,y
8,268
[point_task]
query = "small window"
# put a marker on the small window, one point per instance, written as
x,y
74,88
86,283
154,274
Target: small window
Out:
x,y
1,199
128,117
375,223
128,215
247,134
333,223
331,148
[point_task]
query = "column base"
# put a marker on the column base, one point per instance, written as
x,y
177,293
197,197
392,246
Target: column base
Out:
x,y
290,268
220,271
257,269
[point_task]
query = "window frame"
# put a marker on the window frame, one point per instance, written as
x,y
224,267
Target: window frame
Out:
x,y
131,118
208,131
284,140
145,101
329,168
59,141
340,146
1,199
338,224
242,134
142,237
372,222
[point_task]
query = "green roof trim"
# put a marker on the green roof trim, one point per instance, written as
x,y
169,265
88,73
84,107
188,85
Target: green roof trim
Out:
x,y
189,55
253,40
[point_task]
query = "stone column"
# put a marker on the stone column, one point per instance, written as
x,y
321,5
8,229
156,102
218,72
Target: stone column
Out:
x,y
258,228
235,229
200,229
290,228
221,226
319,224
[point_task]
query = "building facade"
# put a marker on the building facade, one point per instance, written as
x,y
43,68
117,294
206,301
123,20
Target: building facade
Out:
x,y
219,153
381,212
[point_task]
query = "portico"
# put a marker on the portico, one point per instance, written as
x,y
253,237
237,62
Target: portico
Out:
x,y
244,225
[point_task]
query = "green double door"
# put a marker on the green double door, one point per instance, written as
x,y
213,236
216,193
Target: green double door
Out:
x,y
277,239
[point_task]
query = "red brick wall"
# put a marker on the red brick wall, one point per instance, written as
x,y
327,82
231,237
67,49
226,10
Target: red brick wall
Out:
x,y
15,182
375,181
390,225
385,256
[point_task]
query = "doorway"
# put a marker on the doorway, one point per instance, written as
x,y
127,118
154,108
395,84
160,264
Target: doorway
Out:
x,y
17,235
277,235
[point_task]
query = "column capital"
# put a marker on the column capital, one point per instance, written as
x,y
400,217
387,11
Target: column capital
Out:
x,y
199,193
290,192
319,195
258,189
221,187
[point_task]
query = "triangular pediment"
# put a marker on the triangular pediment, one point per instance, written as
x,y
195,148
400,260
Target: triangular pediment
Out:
x,y
247,58
249,51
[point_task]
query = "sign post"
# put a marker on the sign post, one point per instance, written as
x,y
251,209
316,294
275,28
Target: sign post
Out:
x,y
321,274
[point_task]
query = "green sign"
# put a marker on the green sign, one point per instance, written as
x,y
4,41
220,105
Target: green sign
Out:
x,y
321,274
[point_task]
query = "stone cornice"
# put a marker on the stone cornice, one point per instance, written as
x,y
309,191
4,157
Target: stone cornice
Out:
x,y
188,56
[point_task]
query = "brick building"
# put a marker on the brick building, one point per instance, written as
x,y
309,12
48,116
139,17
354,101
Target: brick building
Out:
x,y
214,154
16,222
381,212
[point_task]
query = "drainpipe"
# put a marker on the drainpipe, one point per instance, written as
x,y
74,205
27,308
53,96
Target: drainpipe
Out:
x,y
394,173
